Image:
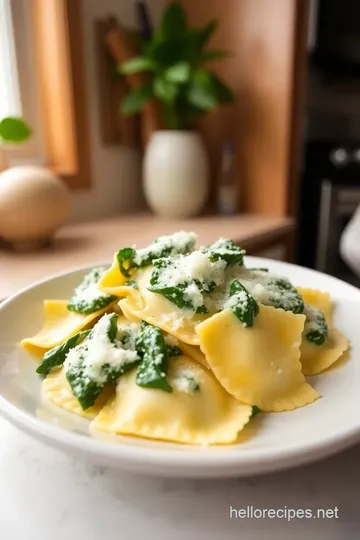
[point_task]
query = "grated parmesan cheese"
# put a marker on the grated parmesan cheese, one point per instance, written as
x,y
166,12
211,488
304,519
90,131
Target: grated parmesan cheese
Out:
x,y
93,354
173,319
186,383
239,300
195,266
193,295
179,242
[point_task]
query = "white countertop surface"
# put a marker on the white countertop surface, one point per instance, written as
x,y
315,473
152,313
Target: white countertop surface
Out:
x,y
46,495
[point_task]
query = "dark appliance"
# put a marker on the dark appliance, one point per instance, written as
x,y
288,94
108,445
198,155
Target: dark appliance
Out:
x,y
336,40
330,196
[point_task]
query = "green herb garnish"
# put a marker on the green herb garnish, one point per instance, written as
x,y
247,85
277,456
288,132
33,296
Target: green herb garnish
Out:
x,y
242,304
225,250
153,368
87,298
193,384
285,296
255,411
132,283
174,350
316,328
130,259
54,358
88,380
176,293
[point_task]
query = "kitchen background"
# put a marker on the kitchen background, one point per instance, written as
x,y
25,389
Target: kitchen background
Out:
x,y
282,161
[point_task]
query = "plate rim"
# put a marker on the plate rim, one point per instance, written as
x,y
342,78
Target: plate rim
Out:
x,y
194,462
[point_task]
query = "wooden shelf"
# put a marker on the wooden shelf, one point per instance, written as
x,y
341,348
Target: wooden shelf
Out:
x,y
95,242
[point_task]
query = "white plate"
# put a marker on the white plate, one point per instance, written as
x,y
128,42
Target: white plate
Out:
x,y
277,441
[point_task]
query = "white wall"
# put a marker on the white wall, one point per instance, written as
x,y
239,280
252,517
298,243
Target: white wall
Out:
x,y
116,170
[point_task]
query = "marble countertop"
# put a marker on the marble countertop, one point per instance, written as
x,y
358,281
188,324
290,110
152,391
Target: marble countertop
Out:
x,y
46,495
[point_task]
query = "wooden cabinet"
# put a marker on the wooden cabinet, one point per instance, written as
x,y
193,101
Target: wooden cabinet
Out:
x,y
266,72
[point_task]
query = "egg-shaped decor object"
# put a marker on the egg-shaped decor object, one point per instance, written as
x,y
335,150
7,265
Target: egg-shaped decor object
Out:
x,y
34,203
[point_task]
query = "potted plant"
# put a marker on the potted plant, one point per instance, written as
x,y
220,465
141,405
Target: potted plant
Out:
x,y
175,60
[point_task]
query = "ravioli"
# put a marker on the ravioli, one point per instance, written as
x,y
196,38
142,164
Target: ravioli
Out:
x,y
59,325
318,299
192,359
198,411
57,390
157,310
317,358
258,365
195,353
113,281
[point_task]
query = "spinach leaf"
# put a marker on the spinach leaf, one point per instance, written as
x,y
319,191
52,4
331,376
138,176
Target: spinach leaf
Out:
x,y
255,411
177,294
55,357
225,250
112,328
316,328
153,368
128,339
164,246
87,298
87,380
193,384
132,283
174,350
242,304
85,390
125,258
285,296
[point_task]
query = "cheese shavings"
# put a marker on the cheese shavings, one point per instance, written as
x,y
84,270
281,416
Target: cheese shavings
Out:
x,y
316,328
98,361
87,297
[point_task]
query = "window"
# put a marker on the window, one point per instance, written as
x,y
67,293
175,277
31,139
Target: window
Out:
x,y
17,82
43,80
9,84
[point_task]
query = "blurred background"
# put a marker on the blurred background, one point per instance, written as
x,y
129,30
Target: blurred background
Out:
x,y
228,117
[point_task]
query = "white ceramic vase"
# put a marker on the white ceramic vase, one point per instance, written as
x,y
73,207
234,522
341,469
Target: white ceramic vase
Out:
x,y
176,174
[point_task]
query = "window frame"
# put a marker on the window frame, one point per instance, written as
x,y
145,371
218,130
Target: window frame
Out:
x,y
53,93
31,151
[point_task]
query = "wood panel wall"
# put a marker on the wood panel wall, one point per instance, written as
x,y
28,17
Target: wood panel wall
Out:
x,y
262,35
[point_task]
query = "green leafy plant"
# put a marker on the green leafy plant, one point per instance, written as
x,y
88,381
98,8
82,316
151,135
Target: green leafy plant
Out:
x,y
175,60
13,130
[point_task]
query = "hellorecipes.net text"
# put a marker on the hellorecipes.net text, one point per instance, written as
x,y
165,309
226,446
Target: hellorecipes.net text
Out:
x,y
286,513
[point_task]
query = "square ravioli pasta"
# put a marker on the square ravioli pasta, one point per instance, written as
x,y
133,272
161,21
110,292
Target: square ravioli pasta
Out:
x,y
259,365
198,411
183,344
316,358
